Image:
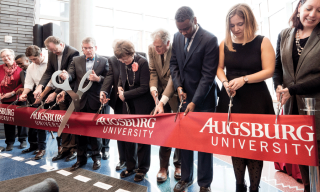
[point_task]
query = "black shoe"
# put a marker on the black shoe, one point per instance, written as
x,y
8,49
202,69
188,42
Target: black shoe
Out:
x,y
96,164
40,154
139,177
241,187
36,151
28,150
59,156
77,165
23,144
181,186
105,155
9,147
205,189
121,165
126,173
71,156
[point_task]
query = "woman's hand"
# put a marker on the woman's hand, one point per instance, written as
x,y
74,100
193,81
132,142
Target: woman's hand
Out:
x,y
236,83
7,95
229,91
285,95
120,91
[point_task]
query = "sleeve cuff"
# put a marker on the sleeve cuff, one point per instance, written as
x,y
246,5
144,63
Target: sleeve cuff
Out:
x,y
105,93
164,99
153,88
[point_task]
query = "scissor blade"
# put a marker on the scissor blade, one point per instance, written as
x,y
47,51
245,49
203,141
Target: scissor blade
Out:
x,y
279,109
97,113
50,108
42,104
13,103
128,109
179,109
229,111
66,118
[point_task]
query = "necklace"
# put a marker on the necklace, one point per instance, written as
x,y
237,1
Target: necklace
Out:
x,y
299,48
134,77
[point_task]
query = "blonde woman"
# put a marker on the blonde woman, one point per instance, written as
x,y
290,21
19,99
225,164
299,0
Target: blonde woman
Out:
x,y
249,59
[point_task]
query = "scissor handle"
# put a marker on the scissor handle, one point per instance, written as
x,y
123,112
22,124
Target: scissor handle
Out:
x,y
65,85
83,80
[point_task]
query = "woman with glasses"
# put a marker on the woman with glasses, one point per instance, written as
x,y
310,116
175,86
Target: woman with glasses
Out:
x,y
9,83
134,91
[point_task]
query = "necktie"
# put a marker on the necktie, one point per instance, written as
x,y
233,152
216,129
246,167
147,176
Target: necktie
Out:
x,y
90,59
162,60
186,46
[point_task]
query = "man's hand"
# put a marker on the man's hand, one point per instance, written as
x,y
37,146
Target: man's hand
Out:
x,y
51,97
190,108
279,88
285,95
64,75
37,92
93,77
181,93
154,94
103,98
23,97
159,109
19,91
60,97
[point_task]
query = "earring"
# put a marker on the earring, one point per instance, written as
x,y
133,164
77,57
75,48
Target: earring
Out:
x,y
298,15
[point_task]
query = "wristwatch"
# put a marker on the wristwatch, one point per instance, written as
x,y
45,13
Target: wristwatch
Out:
x,y
245,78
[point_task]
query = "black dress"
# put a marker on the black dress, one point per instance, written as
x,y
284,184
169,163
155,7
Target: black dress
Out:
x,y
251,98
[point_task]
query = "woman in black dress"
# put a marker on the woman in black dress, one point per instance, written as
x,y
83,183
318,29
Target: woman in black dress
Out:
x,y
134,91
297,73
249,60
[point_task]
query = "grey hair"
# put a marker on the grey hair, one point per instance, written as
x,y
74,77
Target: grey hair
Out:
x,y
184,13
89,40
9,50
161,34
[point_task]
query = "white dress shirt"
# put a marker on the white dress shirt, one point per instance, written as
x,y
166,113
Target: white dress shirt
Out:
x,y
34,74
191,40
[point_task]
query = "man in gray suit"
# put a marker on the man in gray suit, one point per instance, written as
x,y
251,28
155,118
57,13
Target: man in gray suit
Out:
x,y
60,57
162,90
90,101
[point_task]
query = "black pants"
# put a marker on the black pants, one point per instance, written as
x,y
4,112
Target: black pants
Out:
x,y
137,156
105,142
165,152
10,131
121,144
83,141
66,140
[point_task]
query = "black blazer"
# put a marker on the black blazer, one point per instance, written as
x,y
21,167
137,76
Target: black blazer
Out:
x,y
139,94
77,70
196,71
52,66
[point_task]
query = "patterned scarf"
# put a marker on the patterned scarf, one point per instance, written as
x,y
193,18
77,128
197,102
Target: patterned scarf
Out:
x,y
8,74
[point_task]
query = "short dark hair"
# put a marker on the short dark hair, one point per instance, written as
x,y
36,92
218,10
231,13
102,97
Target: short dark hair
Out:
x,y
20,56
294,21
184,13
123,48
33,50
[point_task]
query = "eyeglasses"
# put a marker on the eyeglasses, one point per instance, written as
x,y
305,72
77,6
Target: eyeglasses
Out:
x,y
87,48
8,56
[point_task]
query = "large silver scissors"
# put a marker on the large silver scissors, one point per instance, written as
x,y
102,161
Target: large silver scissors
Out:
x,y
229,111
76,97
279,109
180,106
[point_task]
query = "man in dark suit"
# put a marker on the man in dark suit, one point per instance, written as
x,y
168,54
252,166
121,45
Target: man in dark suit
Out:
x,y
90,101
60,57
193,66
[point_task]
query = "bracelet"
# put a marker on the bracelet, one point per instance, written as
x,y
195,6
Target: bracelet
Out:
x,y
225,81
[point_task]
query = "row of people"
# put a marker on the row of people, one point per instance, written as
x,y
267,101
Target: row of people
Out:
x,y
188,68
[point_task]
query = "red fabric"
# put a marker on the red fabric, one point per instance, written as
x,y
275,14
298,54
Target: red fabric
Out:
x,y
13,86
290,169
8,74
249,135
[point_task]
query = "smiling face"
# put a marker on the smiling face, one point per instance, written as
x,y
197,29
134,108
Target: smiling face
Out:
x,y
237,26
23,63
310,13
7,58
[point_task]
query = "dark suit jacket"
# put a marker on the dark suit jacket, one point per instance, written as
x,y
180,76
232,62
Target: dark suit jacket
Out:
x,y
67,56
139,94
196,71
77,70
110,83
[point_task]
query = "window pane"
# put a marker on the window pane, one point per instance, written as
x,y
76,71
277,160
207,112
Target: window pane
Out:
x,y
294,5
54,8
104,39
276,25
128,20
134,36
153,23
274,5
64,28
104,16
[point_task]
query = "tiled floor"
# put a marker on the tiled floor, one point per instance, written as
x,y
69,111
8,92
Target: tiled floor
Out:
x,y
223,179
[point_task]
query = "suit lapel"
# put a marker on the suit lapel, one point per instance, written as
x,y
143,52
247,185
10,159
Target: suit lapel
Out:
x,y
288,50
158,61
197,39
312,41
166,63
64,57
83,64
96,63
181,39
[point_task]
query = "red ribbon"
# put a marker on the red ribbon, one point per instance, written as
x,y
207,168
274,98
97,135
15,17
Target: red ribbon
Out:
x,y
251,136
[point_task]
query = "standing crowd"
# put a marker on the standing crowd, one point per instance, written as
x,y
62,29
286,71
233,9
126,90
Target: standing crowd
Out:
x,y
181,71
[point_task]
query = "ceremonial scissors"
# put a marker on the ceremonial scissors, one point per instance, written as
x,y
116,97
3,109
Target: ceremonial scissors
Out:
x,y
13,103
279,109
76,97
57,103
40,107
97,113
229,111
180,106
